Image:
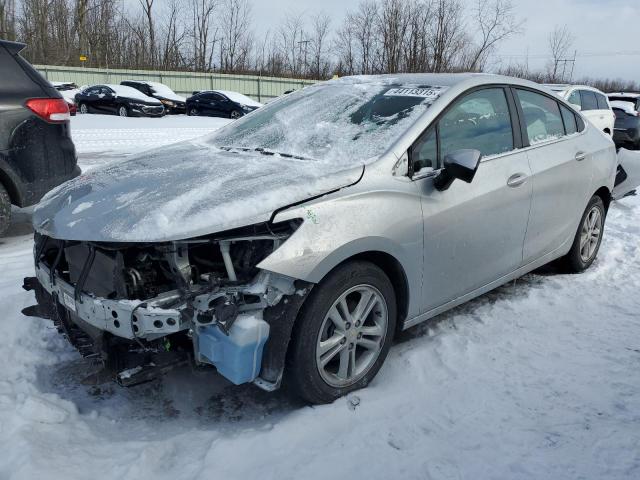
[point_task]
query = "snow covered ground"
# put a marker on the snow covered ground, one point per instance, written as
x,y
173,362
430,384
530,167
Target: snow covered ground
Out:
x,y
103,138
537,380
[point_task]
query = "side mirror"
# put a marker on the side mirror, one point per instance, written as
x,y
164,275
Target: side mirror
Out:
x,y
460,164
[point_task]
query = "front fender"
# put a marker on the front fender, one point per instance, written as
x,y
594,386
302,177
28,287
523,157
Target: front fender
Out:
x,y
343,226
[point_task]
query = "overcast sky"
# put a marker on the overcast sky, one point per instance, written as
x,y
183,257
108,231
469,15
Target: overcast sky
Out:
x,y
606,32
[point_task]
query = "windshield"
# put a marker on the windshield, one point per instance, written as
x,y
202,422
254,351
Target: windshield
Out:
x,y
342,121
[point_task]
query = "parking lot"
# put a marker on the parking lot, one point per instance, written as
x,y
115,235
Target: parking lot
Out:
x,y
538,379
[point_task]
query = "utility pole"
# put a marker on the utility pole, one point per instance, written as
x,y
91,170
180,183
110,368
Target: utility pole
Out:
x,y
306,44
564,62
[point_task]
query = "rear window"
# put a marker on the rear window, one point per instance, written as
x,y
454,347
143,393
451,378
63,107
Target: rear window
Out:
x,y
569,120
589,101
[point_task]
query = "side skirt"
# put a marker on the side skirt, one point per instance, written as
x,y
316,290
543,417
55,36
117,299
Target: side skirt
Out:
x,y
549,257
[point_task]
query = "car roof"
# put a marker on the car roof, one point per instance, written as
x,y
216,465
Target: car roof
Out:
x,y
562,87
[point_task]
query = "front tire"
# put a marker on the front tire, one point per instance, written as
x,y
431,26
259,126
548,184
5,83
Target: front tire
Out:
x,y
588,238
343,333
5,210
236,114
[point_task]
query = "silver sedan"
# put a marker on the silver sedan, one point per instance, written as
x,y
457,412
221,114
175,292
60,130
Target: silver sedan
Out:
x,y
292,245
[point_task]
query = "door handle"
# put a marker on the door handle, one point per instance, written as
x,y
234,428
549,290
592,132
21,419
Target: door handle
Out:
x,y
580,156
516,180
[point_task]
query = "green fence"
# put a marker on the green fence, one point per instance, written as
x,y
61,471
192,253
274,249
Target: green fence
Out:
x,y
184,83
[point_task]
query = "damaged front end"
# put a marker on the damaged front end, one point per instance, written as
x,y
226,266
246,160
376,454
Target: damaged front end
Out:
x,y
143,308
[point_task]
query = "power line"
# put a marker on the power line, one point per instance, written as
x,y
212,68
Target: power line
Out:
x,y
581,55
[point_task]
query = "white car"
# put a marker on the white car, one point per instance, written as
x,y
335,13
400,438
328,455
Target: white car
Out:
x,y
593,104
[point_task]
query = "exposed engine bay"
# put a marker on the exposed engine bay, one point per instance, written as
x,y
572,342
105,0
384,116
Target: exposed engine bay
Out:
x,y
141,309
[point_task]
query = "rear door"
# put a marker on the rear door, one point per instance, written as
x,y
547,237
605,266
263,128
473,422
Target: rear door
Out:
x,y
606,116
473,233
561,171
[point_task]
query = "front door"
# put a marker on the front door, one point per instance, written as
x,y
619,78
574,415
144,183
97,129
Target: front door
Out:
x,y
473,233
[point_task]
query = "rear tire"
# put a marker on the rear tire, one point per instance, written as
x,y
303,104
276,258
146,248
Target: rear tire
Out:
x,y
84,109
588,238
5,211
332,354
122,111
192,112
236,114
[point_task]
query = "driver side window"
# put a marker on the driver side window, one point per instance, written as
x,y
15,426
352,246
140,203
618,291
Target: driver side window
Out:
x,y
480,121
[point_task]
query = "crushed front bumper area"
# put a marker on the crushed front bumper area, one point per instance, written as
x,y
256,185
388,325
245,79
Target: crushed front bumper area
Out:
x,y
181,304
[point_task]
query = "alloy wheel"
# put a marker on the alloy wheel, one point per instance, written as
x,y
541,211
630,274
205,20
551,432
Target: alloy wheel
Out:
x,y
590,234
83,108
235,115
122,111
351,336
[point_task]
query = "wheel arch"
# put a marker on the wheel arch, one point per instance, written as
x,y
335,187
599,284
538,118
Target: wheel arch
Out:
x,y
393,269
605,195
11,187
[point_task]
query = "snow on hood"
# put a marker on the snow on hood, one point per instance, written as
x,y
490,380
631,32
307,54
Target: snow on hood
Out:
x,y
239,98
165,92
183,191
627,107
130,92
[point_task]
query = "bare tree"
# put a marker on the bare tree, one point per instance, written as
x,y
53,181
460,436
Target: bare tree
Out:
x,y
8,19
560,42
235,24
147,8
447,35
204,40
496,22
321,64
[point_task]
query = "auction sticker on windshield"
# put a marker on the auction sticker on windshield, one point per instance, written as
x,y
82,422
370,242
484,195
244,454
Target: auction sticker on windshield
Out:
x,y
431,92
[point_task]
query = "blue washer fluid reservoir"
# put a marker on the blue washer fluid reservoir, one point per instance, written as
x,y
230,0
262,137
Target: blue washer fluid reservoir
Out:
x,y
237,357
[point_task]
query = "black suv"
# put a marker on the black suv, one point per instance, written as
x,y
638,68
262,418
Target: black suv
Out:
x,y
36,151
172,102
626,107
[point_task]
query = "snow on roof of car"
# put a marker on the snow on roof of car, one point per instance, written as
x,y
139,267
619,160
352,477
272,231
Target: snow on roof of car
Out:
x,y
162,90
624,94
130,92
627,107
239,98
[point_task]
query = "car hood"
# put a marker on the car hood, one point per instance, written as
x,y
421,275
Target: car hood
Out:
x,y
152,102
183,191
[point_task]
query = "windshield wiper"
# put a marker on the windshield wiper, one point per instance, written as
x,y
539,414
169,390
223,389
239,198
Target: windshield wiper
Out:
x,y
266,151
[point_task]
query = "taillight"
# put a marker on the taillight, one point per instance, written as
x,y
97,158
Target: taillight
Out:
x,y
52,110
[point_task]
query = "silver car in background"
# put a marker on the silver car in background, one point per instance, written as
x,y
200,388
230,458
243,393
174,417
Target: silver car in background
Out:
x,y
293,244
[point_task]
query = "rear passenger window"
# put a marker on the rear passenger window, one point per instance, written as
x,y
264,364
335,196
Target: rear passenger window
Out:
x,y
602,101
589,101
541,115
569,119
478,121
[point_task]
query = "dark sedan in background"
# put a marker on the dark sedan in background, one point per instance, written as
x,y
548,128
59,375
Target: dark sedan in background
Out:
x,y
36,151
220,103
118,99
172,102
